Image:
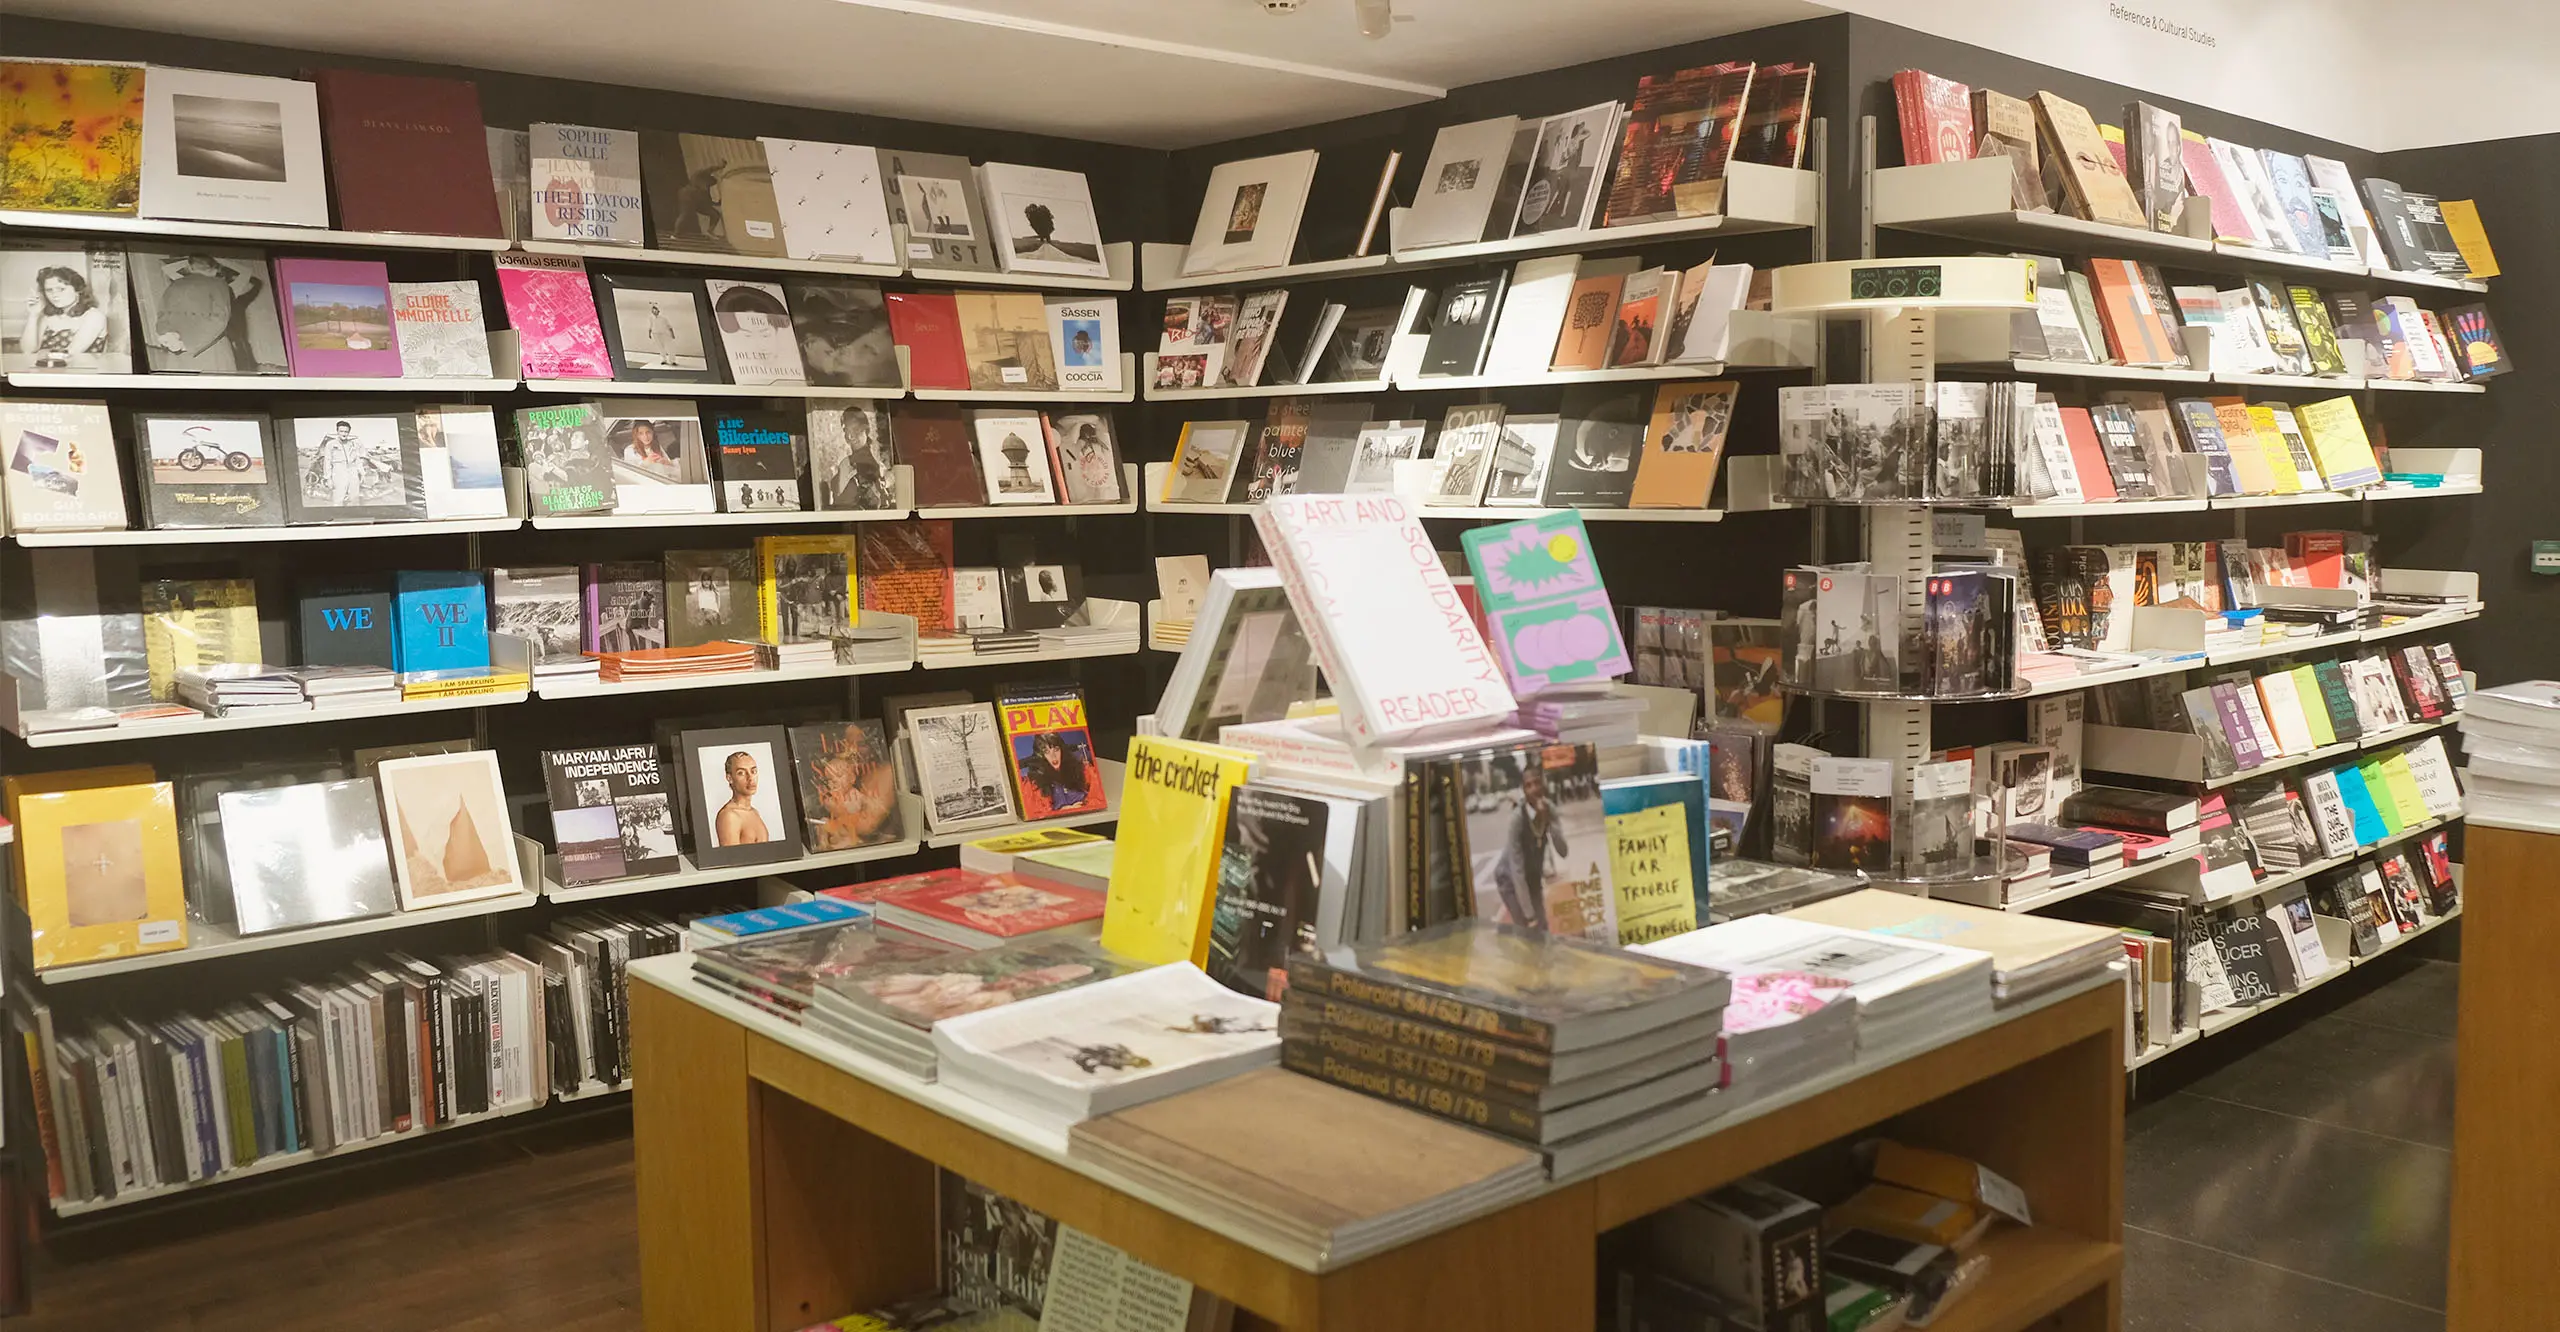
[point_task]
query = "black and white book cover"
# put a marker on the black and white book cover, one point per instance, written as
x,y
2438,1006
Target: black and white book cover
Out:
x,y
221,147
710,193
1568,171
960,766
206,309
1044,220
842,327
2128,460
934,197
612,812
658,460
1460,327
1041,595
1934,836
1599,434
742,801
1804,442
831,201
1791,804
1962,462
711,596
1462,451
626,606
2246,941
1874,435
756,333
995,1251
352,467
539,604
657,327
851,465
1086,458
209,470
756,452
1858,632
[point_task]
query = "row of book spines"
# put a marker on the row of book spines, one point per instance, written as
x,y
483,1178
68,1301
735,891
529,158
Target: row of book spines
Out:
x,y
1431,1098
1451,1028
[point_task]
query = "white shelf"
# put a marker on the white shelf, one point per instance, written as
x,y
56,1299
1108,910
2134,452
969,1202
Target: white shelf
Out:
x,y
957,661
691,877
1113,772
2294,500
1128,486
225,536
1147,379
2450,488
1972,200
2426,280
587,686
591,1091
2139,671
286,1161
1128,391
1116,255
2309,756
1504,513
2079,887
635,254
207,942
2253,256
2424,386
50,381
161,730
1625,374
2211,1024
2156,1053
2281,647
2331,384
2109,508
597,522
1970,282
2419,624
2385,739
1151,493
660,388
27,220
2090,370
1164,270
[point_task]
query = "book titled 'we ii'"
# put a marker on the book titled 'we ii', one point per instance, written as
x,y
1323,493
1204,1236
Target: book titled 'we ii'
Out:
x,y
1404,656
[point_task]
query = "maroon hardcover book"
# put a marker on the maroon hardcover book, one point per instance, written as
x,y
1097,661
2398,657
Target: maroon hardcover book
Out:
x,y
407,154
927,324
933,439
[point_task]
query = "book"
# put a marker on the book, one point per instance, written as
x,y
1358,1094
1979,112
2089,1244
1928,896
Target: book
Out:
x,y
442,623
933,441
1590,317
2094,181
849,457
710,597
1936,118
755,454
1013,457
658,327
1514,987
1461,325
302,855
351,468
1602,432
658,461
1084,343
1049,747
511,178
612,812
842,328
740,807
221,147
756,336
61,466
1566,173
345,624
440,330
1455,198
1005,340
831,201
2028,953
1774,115
208,471
1042,220
710,193
586,184
568,468
72,314
805,587
960,766
1549,616
1159,1031
101,868
2335,429
552,310
99,171
982,910
2477,347
406,154
541,605
446,816
625,605
1249,214
338,319
934,202
1172,827
848,786
208,310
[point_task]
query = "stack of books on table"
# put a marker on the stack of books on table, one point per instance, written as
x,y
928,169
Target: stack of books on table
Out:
x,y
2030,955
781,975
1591,719
774,922
798,654
1173,635
1578,1050
2511,740
1318,1174
1738,888
888,1010
974,910
1099,1048
229,690
348,686
719,658
1806,995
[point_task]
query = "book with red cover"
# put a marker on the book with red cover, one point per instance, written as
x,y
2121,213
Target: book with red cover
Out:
x,y
927,324
2135,330
2205,178
983,910
407,153
1937,118
933,439
906,570
2088,456
2319,557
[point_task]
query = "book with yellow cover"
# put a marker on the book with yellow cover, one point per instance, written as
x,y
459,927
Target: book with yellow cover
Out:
x,y
191,623
2336,431
1905,1214
2249,463
805,588
1683,445
2462,221
2271,446
2306,686
2402,784
101,867
15,787
1173,822
995,855
496,682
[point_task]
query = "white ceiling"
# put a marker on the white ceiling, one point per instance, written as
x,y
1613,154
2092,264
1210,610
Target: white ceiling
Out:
x,y
1157,73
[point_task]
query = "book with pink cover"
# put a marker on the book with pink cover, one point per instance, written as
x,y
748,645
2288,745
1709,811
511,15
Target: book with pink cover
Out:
x,y
553,312
337,318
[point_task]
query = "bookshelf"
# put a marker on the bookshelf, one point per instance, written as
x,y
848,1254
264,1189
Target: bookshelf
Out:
x,y
46,381
206,943
20,222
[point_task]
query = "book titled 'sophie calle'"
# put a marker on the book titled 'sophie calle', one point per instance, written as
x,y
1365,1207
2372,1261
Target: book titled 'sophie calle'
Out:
x,y
347,624
444,624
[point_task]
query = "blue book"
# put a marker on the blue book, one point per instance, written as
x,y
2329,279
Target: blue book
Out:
x,y
766,922
444,624
1634,795
2370,827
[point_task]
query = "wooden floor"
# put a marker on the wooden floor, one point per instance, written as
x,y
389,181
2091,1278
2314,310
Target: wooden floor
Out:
x,y
526,1237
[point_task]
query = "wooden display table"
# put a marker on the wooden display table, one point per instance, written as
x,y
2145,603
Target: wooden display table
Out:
x,y
2506,1082
784,1179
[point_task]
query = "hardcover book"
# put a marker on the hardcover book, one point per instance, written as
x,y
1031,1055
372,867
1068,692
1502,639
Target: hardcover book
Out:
x,y
69,310
710,596
927,324
849,457
843,330
193,623
553,312
338,318
1043,221
541,605
96,171
1451,205
805,587
961,771
1249,214
102,871
739,798
61,466
625,606
1013,457
1936,116
1085,459
208,310
1005,339
306,854
1461,325
1565,176
755,332
848,786
659,327
1603,429
1539,584
458,466
1512,986
586,184
1084,340
567,468
658,459
2095,182
222,147
441,332
756,455
1173,814
511,174
906,570
351,468
407,153
1204,458
934,441
831,200
710,193
443,623
612,813
207,471
933,199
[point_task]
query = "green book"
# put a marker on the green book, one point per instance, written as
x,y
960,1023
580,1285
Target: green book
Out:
x,y
2315,706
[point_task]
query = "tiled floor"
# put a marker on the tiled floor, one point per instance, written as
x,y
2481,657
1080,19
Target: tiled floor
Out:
x,y
2300,1181
2292,1179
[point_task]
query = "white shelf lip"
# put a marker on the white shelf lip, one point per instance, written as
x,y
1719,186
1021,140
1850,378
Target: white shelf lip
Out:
x,y
1127,392
2274,258
212,941
586,686
2142,671
2321,754
2426,280
1285,273
2426,386
51,381
958,661
2108,508
2253,379
31,220
665,388
1118,256
224,536
2155,1053
2284,501
2419,624
2207,1025
2390,492
638,254
691,877
590,1091
2281,647
1111,815
253,721
1129,479
2094,370
286,1161
1503,513
1618,375
571,522
2077,887
2318,867
1324,388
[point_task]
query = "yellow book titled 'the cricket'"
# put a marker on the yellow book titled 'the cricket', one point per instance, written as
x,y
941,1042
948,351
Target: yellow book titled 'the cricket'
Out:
x,y
1164,869
102,875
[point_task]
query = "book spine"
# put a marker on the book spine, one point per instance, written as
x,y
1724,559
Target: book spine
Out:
x,y
443,1068
2088,809
1321,979
48,1101
1456,885
1473,1111
1469,1077
235,1091
1495,1060
297,1107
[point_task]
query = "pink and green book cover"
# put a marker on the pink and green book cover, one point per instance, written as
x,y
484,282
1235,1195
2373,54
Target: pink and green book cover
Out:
x,y
1550,617
338,312
553,312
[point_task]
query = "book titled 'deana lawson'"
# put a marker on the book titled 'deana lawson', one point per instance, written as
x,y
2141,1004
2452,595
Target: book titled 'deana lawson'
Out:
x,y
1398,645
